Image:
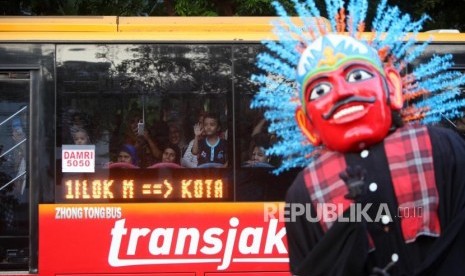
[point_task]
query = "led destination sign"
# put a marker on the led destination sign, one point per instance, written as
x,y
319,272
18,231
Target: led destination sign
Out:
x,y
138,186
128,189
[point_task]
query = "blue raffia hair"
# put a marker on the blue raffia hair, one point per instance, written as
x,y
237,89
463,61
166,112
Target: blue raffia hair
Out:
x,y
432,85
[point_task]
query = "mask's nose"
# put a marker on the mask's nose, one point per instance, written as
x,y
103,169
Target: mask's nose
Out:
x,y
342,89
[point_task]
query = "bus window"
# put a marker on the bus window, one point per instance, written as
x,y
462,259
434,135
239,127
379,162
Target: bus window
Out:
x,y
255,180
143,102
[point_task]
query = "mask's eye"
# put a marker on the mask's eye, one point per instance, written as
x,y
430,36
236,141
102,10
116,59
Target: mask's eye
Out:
x,y
319,90
358,75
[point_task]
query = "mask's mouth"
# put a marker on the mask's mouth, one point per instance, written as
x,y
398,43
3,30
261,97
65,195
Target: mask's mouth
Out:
x,y
349,109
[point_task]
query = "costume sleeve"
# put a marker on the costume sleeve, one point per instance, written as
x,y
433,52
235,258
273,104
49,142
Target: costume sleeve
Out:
x,y
447,254
342,250
449,164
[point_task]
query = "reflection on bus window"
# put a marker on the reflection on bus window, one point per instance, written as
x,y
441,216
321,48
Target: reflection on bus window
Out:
x,y
256,139
149,100
175,105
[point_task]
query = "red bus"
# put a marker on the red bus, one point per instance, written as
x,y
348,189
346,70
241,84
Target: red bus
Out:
x,y
81,96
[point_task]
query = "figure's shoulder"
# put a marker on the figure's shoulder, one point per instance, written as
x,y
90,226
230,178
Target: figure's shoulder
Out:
x,y
440,130
446,137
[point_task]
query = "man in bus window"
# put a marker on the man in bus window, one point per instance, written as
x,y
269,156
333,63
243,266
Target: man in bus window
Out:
x,y
378,196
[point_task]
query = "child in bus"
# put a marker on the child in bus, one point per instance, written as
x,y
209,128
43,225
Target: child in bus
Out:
x,y
80,136
211,150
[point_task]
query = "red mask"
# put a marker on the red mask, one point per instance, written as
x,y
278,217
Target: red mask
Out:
x,y
347,109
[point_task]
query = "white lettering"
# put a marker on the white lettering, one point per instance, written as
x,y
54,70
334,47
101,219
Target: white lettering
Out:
x,y
136,233
194,235
233,222
166,234
214,240
211,236
256,235
274,239
68,213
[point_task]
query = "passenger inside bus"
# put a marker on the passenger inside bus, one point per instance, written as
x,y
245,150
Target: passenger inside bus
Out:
x,y
140,138
19,159
75,121
80,136
78,120
171,154
258,156
170,158
127,158
257,142
212,150
176,137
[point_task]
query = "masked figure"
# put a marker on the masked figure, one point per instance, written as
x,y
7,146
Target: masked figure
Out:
x,y
379,194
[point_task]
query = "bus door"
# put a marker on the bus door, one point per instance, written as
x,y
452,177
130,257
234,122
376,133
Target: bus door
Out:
x,y
14,183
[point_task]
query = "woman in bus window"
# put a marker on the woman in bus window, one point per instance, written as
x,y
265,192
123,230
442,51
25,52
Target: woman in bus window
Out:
x,y
128,154
171,154
127,158
212,149
258,157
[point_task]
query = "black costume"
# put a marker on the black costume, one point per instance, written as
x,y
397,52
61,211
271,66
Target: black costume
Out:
x,y
432,245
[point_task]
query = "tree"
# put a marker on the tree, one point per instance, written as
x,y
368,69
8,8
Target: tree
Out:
x,y
445,14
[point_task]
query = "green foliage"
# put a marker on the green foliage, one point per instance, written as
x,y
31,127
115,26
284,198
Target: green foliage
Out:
x,y
91,7
254,7
445,14
195,8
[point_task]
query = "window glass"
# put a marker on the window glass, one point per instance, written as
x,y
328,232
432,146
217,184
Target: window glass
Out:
x,y
128,116
255,179
136,106
14,185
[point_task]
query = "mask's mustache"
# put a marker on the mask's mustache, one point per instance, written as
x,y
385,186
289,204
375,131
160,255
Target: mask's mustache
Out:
x,y
346,101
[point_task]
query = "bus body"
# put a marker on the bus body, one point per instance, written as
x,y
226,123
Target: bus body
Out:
x,y
76,210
